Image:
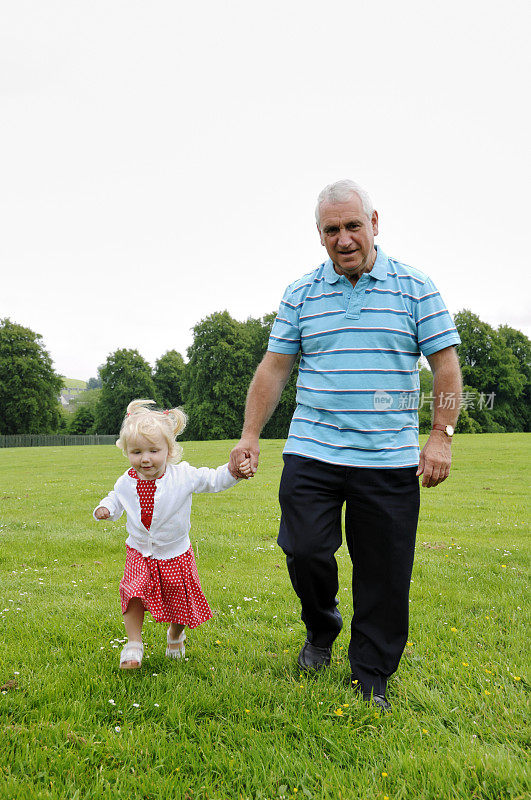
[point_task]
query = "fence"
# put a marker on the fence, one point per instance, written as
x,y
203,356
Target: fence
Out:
x,y
53,440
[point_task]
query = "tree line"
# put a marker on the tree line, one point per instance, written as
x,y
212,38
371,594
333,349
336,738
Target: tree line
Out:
x,y
212,385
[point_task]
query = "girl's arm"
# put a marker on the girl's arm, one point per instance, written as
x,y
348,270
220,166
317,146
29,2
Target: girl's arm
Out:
x,y
205,479
112,505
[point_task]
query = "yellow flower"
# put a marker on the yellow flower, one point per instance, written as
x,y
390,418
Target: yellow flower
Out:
x,y
517,677
486,691
345,705
453,629
504,565
339,712
217,641
488,671
409,644
354,682
384,774
424,730
464,663
247,711
386,797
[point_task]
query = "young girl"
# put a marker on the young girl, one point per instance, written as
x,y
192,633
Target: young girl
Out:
x,y
156,493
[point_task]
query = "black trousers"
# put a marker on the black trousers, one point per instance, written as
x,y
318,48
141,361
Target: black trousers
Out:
x,y
381,517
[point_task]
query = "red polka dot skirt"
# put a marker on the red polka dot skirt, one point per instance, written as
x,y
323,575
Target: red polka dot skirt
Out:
x,y
168,588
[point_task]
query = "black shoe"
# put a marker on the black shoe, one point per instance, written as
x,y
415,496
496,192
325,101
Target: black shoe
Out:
x,y
312,658
379,700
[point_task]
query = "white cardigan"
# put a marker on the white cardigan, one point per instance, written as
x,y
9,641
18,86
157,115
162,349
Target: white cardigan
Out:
x,y
167,536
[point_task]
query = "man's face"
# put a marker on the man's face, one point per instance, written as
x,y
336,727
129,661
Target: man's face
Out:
x,y
348,235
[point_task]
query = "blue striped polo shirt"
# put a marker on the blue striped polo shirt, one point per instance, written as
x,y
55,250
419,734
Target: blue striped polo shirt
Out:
x,y
358,382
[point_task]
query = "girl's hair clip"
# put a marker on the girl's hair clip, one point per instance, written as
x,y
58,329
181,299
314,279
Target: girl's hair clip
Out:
x,y
128,414
166,411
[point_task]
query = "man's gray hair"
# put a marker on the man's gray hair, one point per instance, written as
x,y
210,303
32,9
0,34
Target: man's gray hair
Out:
x,y
341,192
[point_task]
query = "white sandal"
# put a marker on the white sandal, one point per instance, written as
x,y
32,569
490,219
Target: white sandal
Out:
x,y
133,651
180,651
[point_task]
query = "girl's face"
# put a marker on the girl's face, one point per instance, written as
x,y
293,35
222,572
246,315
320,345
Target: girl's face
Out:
x,y
148,456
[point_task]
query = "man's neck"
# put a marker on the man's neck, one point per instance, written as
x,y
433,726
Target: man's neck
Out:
x,y
354,277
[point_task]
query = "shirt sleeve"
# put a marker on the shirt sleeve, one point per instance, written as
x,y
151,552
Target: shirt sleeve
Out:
x,y
285,334
113,503
435,326
205,479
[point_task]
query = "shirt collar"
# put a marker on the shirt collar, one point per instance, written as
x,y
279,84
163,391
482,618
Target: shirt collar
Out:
x,y
134,474
378,271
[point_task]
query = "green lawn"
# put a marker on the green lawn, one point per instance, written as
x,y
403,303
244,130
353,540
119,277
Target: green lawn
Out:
x,y
236,720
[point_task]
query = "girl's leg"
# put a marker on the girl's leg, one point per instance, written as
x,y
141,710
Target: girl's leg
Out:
x,y
133,621
174,632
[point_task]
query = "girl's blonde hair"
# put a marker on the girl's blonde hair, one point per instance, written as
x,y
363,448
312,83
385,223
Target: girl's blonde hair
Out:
x,y
149,422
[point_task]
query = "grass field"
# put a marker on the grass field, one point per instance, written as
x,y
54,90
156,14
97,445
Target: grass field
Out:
x,y
236,720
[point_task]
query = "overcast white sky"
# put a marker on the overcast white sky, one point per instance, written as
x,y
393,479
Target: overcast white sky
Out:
x,y
161,160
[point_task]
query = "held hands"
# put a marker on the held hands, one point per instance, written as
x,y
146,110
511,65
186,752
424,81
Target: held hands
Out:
x,y
435,459
245,468
102,513
243,461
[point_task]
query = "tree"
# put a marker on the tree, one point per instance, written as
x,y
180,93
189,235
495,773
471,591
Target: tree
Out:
x,y
29,386
88,398
465,423
94,383
124,376
520,346
495,363
168,378
82,420
222,361
486,361
258,332
64,420
216,378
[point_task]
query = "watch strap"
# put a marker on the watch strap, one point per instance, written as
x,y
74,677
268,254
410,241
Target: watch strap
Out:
x,y
437,427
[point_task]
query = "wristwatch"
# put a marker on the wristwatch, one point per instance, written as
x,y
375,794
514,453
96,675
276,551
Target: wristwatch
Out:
x,y
447,429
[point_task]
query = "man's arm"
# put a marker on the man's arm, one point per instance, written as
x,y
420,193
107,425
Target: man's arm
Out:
x,y
436,455
262,398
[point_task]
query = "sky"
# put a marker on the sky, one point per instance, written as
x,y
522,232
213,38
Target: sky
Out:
x,y
160,161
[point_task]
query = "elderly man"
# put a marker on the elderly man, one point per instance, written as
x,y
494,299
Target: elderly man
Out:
x,y
360,321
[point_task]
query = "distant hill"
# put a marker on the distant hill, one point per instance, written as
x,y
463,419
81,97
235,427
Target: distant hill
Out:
x,y
73,383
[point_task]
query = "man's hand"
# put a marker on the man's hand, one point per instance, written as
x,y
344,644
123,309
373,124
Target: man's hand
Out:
x,y
435,459
102,513
247,450
262,398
